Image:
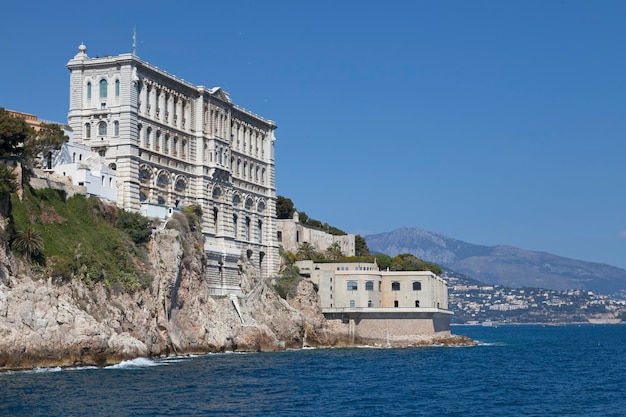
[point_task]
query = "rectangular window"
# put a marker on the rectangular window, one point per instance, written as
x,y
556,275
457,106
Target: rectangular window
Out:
x,y
352,286
280,236
395,303
395,286
369,286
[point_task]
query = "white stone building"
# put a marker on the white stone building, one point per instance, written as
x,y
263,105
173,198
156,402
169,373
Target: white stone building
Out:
x,y
291,234
174,144
85,168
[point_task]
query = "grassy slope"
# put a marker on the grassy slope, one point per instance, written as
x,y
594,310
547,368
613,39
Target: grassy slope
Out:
x,y
80,239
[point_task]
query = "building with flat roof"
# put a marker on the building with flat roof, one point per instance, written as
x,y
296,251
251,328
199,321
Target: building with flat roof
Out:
x,y
397,306
174,144
290,234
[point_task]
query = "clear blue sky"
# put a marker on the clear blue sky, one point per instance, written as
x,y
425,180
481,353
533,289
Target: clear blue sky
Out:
x,y
493,122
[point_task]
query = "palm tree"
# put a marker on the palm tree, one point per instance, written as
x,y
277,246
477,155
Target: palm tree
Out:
x,y
28,242
306,251
333,252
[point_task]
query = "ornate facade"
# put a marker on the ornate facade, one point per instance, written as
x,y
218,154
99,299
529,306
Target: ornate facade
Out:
x,y
175,144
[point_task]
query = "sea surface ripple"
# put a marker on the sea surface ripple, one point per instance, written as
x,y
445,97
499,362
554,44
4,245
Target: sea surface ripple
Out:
x,y
575,370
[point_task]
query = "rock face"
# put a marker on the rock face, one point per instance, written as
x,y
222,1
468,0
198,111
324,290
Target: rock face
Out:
x,y
47,324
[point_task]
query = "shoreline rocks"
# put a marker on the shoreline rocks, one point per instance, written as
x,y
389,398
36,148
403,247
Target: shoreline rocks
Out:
x,y
45,325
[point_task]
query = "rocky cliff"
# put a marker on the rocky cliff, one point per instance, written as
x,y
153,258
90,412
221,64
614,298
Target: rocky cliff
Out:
x,y
48,323
43,323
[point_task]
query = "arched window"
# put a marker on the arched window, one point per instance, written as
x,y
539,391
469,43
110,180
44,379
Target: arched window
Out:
x,y
157,138
166,143
183,149
102,129
247,231
144,175
89,90
260,230
417,286
103,88
352,303
116,128
117,88
235,218
369,286
215,217
395,286
87,130
352,286
162,180
369,303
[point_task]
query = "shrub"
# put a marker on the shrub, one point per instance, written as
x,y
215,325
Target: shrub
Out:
x,y
135,225
286,285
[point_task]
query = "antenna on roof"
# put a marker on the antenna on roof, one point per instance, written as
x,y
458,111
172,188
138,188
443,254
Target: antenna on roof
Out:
x,y
134,41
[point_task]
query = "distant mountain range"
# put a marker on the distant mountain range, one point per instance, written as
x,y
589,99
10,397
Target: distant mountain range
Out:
x,y
503,265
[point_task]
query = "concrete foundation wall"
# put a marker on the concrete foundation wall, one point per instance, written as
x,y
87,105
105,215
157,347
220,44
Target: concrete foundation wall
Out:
x,y
393,328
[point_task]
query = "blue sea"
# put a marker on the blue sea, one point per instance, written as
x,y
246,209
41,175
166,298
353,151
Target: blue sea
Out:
x,y
575,370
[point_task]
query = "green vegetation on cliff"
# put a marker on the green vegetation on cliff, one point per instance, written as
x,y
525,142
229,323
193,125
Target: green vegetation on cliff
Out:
x,y
80,238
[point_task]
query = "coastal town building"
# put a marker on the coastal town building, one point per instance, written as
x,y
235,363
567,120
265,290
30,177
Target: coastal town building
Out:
x,y
173,144
83,167
397,306
291,233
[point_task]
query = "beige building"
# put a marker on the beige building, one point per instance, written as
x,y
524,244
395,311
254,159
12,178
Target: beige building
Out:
x,y
174,144
400,307
291,234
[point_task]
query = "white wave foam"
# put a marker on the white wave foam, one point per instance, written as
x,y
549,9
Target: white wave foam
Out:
x,y
135,363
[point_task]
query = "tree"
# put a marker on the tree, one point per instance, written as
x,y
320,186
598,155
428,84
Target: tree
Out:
x,y
29,243
287,258
306,251
284,208
409,262
360,246
333,252
383,261
8,180
50,137
13,133
303,217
